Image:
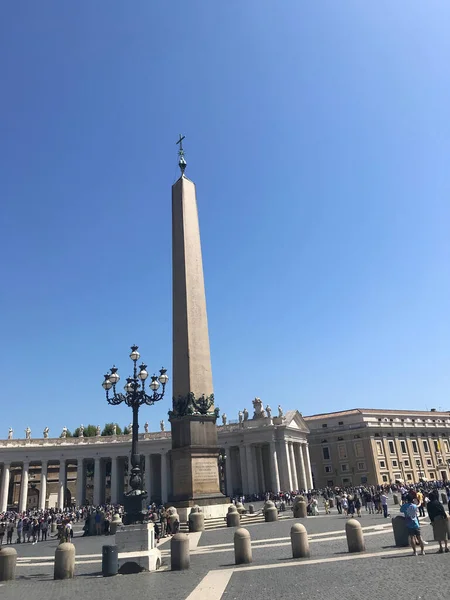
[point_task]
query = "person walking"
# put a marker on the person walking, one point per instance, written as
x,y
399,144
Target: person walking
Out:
x,y
439,521
9,531
411,512
384,505
2,531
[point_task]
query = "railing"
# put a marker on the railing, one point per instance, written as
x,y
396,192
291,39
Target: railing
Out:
x,y
82,441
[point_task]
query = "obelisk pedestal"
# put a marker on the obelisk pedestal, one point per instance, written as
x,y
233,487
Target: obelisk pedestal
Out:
x,y
195,473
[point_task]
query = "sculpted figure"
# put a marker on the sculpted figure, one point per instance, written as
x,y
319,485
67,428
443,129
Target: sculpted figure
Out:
x,y
46,430
224,419
28,433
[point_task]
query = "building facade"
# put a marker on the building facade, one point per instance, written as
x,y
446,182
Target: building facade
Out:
x,y
257,455
373,446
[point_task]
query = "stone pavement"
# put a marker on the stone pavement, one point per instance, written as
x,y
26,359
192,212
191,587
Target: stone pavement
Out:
x,y
331,569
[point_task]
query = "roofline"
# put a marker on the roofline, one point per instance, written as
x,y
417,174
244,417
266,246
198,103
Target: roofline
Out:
x,y
378,411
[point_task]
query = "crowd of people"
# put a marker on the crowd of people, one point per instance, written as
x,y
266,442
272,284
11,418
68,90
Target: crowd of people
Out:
x,y
34,525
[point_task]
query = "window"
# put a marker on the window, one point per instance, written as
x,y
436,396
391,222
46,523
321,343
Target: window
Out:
x,y
446,447
341,423
436,446
432,475
377,435
359,449
394,463
391,448
326,453
415,448
324,425
406,462
429,463
408,476
357,436
328,469
344,467
342,451
361,466
340,439
425,446
346,481
382,464
403,447
385,478
330,483
379,449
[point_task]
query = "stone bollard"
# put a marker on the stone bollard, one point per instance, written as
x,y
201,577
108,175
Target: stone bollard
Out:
x,y
355,537
299,541
331,501
8,560
240,508
270,512
251,509
115,523
173,519
242,547
233,517
444,498
395,498
180,559
53,528
300,510
401,532
64,561
196,521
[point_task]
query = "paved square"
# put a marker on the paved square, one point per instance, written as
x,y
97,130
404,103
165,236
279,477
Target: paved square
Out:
x,y
331,570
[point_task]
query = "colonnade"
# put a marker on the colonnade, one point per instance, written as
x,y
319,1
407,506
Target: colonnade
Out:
x,y
274,466
156,479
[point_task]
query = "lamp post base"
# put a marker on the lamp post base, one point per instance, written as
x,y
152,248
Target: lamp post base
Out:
x,y
134,507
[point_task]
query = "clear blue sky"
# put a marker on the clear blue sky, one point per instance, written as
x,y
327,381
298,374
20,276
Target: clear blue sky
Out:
x,y
318,134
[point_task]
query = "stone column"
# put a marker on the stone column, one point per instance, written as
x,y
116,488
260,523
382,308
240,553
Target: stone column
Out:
x,y
302,474
24,487
97,481
114,480
164,468
5,487
43,491
62,483
293,466
250,471
309,478
243,463
287,479
81,484
275,475
120,479
148,483
229,474
261,467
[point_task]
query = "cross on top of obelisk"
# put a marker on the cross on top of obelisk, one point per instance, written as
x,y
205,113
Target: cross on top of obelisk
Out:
x,y
182,161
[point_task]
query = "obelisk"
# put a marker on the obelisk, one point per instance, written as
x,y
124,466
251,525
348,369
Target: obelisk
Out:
x,y
195,475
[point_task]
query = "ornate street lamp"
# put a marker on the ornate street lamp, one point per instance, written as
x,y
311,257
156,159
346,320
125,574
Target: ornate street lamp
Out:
x,y
135,396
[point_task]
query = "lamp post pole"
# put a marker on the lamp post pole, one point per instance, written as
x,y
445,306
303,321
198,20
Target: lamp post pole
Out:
x,y
135,396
